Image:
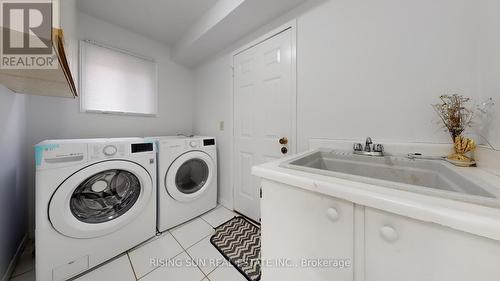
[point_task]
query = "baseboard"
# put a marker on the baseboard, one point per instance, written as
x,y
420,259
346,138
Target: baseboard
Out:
x,y
226,204
13,262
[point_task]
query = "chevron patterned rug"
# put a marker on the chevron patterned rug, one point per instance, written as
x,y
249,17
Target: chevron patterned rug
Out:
x,y
238,240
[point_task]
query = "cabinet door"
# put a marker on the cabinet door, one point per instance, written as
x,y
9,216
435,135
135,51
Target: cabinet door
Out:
x,y
399,248
305,228
68,23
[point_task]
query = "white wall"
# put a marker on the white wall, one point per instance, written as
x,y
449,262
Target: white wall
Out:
x,y
213,104
490,65
364,69
13,184
373,68
56,118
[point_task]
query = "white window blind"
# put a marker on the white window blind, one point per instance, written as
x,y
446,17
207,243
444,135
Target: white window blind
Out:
x,y
116,81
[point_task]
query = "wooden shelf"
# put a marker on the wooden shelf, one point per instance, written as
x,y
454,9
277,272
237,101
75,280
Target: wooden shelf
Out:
x,y
57,82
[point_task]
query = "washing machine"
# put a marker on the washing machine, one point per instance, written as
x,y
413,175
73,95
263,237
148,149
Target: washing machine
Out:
x,y
94,200
187,178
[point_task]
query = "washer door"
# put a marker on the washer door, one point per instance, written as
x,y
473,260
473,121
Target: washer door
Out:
x,y
189,176
100,199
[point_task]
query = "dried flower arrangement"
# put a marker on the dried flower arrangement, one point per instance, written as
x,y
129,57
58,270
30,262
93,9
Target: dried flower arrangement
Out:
x,y
456,117
455,114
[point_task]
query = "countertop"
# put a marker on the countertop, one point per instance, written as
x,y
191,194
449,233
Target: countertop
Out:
x,y
467,217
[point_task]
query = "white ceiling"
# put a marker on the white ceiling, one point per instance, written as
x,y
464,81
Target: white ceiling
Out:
x,y
162,20
194,29
244,17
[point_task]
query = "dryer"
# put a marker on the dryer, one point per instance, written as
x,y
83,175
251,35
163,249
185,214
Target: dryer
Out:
x,y
94,200
187,178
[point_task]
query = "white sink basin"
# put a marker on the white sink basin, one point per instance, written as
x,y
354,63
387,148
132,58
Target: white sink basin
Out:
x,y
431,177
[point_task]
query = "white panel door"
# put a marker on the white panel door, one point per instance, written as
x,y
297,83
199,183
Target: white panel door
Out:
x,y
264,113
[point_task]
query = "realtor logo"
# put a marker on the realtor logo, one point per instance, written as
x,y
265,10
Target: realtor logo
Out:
x,y
27,35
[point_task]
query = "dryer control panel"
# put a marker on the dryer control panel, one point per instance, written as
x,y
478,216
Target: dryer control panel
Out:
x,y
193,143
175,145
197,143
208,142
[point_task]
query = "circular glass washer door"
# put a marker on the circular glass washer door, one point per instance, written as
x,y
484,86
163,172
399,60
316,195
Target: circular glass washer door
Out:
x,y
189,176
100,199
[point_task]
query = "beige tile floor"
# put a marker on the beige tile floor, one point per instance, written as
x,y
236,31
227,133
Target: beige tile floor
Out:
x,y
187,248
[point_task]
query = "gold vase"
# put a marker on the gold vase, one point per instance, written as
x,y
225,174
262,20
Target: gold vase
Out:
x,y
462,147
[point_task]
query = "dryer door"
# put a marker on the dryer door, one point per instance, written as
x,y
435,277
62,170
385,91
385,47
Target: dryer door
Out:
x,y
189,176
100,199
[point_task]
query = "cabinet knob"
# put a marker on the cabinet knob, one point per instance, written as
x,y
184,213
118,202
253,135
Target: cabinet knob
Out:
x,y
389,234
333,214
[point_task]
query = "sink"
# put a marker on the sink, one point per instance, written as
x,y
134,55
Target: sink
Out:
x,y
431,177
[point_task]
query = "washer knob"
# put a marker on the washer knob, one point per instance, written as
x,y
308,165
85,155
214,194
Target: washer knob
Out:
x,y
109,150
192,144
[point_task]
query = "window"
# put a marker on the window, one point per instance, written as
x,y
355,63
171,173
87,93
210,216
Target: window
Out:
x,y
116,81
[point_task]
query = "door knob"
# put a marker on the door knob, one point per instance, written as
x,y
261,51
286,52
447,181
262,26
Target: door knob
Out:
x,y
283,141
284,150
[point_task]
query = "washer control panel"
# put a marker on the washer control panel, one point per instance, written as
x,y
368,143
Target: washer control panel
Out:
x,y
110,150
52,155
142,147
104,150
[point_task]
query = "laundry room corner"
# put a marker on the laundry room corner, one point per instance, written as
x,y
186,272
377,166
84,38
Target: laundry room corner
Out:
x,y
212,117
13,177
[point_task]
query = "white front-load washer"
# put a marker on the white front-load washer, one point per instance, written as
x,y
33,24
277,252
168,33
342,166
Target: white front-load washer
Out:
x,y
94,200
187,178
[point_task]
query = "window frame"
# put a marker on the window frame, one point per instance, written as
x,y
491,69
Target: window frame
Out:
x,y
81,79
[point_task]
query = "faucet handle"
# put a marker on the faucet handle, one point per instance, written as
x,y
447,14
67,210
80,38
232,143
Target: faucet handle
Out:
x,y
357,147
378,148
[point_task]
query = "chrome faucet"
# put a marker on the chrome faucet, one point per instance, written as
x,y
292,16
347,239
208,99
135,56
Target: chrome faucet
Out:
x,y
370,149
368,144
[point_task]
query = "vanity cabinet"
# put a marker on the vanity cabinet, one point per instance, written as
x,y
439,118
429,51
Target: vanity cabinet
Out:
x,y
301,227
399,248
302,231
